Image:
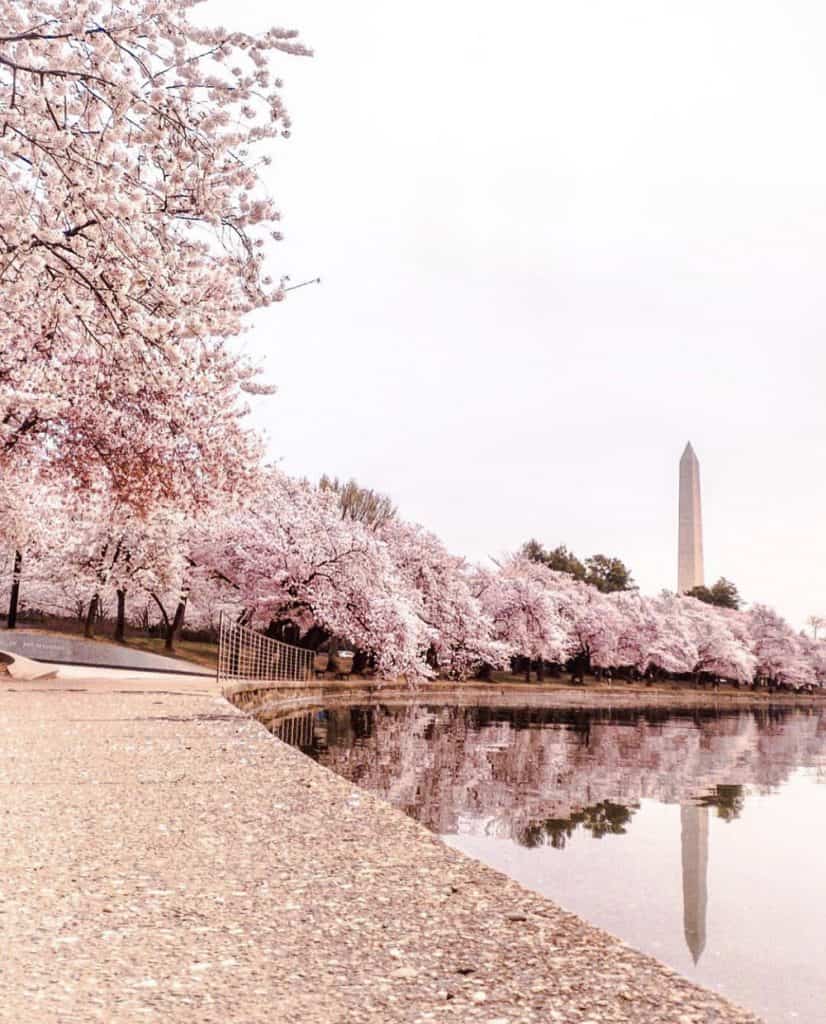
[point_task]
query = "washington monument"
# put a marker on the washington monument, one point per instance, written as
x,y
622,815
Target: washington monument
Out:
x,y
690,545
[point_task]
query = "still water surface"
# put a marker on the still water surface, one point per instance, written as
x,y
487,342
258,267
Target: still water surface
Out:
x,y
697,837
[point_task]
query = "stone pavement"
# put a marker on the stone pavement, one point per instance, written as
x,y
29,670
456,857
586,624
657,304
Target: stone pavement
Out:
x,y
164,858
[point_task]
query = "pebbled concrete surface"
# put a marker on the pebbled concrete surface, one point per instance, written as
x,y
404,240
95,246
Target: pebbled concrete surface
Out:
x,y
164,858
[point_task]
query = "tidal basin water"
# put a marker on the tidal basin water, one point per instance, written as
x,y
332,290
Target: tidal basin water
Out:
x,y
697,837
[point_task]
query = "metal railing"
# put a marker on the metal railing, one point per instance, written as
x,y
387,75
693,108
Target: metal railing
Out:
x,y
245,656
298,730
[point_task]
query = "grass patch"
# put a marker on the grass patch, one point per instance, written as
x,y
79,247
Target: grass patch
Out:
x,y
197,651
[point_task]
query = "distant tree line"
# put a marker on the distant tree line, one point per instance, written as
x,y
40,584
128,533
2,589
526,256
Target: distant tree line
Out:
x,y
723,594
610,574
361,504
606,573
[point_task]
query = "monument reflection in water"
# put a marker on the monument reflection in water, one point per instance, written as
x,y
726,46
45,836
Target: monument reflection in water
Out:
x,y
735,800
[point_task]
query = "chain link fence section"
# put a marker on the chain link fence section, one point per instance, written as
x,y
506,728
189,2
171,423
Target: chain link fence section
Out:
x,y
245,656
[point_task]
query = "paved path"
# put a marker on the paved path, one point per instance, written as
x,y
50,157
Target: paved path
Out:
x,y
58,647
165,859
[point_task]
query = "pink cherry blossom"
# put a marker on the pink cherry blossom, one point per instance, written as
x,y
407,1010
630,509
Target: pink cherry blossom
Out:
x,y
132,223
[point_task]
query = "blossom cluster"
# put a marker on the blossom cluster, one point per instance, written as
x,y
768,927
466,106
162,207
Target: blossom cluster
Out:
x,y
133,229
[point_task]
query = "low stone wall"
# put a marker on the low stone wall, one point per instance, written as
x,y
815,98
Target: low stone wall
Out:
x,y
270,701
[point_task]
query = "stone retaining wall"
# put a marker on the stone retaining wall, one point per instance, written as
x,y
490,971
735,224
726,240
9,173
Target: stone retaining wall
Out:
x,y
267,701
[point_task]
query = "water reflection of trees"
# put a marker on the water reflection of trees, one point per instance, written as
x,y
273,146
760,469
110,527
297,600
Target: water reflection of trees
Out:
x,y
602,819
727,800
538,775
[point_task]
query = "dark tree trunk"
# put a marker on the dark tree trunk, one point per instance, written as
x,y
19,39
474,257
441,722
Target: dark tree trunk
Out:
x,y
580,666
527,670
91,616
165,617
540,670
120,622
284,630
175,627
314,638
15,590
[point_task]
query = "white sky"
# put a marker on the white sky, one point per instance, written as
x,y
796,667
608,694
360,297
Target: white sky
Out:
x,y
558,240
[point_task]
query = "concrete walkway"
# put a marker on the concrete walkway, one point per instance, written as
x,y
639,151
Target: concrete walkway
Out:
x,y
165,859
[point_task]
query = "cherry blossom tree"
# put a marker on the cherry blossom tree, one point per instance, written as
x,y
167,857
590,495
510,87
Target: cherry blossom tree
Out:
x,y
83,547
293,558
149,556
814,654
672,648
634,635
440,588
14,536
776,648
769,640
522,600
133,229
719,652
592,622
25,509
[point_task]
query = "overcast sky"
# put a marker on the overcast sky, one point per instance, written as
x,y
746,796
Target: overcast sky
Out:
x,y
557,241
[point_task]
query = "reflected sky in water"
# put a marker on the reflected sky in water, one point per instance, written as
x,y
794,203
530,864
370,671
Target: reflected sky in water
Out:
x,y
696,837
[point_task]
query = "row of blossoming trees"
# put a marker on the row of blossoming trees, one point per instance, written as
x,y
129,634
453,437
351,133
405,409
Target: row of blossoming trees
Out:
x,y
133,230
286,554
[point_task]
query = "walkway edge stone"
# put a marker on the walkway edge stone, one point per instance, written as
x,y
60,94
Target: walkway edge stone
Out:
x,y
24,669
